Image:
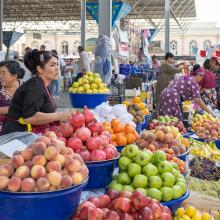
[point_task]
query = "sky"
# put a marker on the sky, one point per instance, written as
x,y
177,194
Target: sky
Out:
x,y
208,10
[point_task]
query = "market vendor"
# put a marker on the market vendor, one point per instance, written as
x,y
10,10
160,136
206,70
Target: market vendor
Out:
x,y
32,106
11,75
166,74
185,88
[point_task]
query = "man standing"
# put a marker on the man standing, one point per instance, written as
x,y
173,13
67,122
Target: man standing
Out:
x,y
42,48
84,62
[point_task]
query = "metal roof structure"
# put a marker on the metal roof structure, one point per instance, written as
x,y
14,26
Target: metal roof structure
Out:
x,y
28,13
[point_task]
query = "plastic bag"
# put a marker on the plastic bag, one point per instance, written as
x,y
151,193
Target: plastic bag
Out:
x,y
103,110
119,110
126,118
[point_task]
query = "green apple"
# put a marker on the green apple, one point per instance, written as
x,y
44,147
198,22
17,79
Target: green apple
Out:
x,y
134,169
112,182
175,173
168,179
159,156
182,180
175,166
155,194
124,179
124,162
142,190
143,158
96,75
165,166
183,186
177,191
115,177
167,194
75,85
123,152
150,170
155,182
116,186
128,188
140,181
131,150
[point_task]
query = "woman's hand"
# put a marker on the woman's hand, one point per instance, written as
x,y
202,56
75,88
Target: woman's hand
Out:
x,y
63,116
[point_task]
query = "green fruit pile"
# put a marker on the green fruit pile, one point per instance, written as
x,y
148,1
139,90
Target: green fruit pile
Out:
x,y
89,83
150,173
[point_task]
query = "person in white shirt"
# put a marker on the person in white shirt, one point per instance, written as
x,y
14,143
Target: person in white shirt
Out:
x,y
84,62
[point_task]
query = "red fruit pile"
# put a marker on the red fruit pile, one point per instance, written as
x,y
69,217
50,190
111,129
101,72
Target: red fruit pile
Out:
x,y
122,206
87,137
45,165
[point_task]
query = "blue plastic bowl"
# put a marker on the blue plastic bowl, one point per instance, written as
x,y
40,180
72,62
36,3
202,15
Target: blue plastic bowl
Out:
x,y
100,173
217,143
119,148
173,205
183,156
139,127
90,100
55,205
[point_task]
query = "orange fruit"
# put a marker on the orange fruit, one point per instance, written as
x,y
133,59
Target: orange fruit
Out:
x,y
130,138
136,100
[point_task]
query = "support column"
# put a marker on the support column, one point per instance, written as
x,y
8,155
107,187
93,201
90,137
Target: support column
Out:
x,y
105,17
1,24
167,25
83,23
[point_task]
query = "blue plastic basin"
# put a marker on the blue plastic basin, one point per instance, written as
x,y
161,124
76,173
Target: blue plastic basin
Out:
x,y
139,127
183,156
173,205
119,148
217,143
55,205
100,173
90,100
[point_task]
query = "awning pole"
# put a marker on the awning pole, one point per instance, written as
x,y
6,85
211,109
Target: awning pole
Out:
x,y
83,23
167,25
1,24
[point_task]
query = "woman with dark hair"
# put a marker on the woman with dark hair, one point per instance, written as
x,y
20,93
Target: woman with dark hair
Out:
x,y
183,89
32,106
208,84
11,73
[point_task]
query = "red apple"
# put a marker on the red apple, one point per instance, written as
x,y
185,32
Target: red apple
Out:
x,y
95,201
165,216
122,204
146,213
156,210
113,194
126,216
112,215
104,201
139,200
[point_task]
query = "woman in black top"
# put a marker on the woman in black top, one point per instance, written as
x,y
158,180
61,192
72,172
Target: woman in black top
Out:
x,y
32,104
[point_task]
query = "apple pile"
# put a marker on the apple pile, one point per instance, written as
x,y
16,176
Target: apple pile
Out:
x,y
122,206
87,137
45,165
167,121
149,172
164,137
206,127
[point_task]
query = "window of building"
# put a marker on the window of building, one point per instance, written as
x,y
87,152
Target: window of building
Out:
x,y
47,44
207,44
65,48
173,47
193,48
35,45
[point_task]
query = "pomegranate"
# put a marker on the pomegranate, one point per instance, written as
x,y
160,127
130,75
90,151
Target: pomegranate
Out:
x,y
98,155
96,127
83,133
93,143
110,152
66,130
78,119
85,154
89,116
74,143
104,140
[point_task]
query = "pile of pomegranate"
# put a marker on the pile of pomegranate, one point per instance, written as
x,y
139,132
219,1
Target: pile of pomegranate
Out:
x,y
122,206
45,165
87,137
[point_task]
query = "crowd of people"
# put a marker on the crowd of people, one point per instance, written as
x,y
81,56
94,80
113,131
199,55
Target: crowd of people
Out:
x,y
201,84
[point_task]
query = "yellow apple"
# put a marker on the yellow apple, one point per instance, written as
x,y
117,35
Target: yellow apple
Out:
x,y
95,91
86,87
85,81
93,86
98,81
75,84
96,75
88,91
80,81
80,89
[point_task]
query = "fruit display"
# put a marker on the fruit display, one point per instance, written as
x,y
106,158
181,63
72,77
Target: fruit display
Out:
x,y
206,126
89,83
121,135
187,106
167,121
137,113
164,137
205,149
142,106
206,187
191,213
45,165
122,206
204,168
150,173
87,137
106,113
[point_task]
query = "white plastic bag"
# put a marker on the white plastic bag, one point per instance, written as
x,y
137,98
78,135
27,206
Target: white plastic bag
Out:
x,y
119,110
